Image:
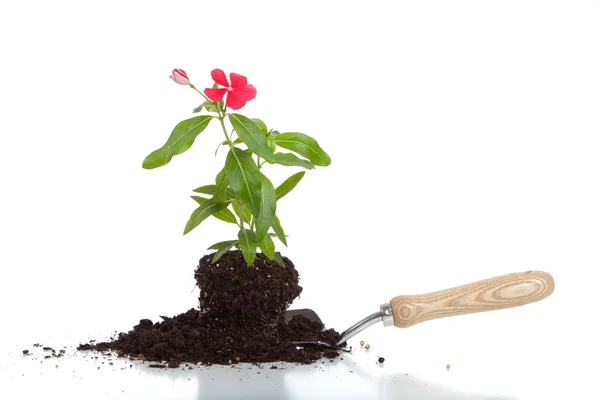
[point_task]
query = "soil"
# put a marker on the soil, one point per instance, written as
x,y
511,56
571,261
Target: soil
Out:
x,y
241,319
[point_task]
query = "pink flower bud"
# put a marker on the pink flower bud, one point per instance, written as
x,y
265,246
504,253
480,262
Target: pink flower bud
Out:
x,y
179,76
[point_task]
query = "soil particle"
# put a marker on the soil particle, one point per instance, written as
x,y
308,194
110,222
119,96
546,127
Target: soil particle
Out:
x,y
25,352
241,318
381,360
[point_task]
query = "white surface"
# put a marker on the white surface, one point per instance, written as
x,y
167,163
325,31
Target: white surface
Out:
x,y
351,377
464,138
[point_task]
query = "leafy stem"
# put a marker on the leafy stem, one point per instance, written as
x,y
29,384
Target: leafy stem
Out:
x,y
221,116
240,187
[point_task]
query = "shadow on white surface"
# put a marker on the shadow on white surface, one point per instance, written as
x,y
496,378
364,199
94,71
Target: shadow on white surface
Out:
x,y
402,386
339,380
92,375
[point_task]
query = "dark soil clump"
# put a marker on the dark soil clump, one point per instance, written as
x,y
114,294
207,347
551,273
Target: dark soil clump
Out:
x,y
234,294
241,319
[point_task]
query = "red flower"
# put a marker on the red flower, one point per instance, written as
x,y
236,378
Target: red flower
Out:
x,y
238,93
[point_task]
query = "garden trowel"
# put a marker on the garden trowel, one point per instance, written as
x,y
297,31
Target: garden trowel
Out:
x,y
497,293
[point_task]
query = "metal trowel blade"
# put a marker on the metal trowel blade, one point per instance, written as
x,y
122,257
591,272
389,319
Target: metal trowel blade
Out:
x,y
312,316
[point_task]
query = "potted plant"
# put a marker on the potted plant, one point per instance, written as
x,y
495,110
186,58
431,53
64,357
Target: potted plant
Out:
x,y
245,284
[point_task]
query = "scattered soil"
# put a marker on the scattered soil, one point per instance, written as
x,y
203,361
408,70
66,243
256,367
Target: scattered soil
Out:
x,y
381,360
241,319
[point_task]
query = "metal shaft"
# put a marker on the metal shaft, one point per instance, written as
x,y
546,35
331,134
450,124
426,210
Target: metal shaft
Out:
x,y
384,315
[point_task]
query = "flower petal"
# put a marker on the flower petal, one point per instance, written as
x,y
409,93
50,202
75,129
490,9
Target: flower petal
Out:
x,y
215,94
219,77
237,80
234,101
247,92
180,72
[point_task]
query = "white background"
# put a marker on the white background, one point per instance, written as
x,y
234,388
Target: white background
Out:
x,y
464,145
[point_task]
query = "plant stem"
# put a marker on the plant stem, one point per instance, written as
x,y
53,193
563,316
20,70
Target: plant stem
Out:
x,y
259,165
202,94
241,208
222,120
221,116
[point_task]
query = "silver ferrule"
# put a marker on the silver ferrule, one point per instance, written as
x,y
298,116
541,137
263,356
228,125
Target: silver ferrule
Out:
x,y
386,314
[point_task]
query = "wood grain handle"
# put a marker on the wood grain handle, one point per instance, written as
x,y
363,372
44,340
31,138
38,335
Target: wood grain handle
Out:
x,y
497,293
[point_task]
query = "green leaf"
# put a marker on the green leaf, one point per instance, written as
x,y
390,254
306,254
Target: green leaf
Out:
x,y
268,204
279,260
206,209
268,247
222,251
247,213
248,245
262,125
212,189
224,215
274,133
209,106
198,109
252,135
221,187
305,146
288,185
272,145
220,245
244,178
279,230
292,160
206,189
181,139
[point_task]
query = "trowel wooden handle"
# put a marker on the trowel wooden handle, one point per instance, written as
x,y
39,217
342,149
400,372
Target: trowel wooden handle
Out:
x,y
504,291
